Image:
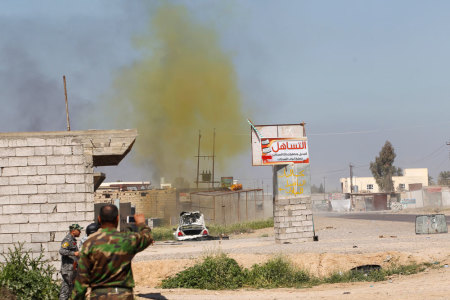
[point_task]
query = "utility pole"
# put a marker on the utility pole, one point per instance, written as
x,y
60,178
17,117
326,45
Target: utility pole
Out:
x,y
448,144
205,178
324,190
67,103
198,157
351,178
213,156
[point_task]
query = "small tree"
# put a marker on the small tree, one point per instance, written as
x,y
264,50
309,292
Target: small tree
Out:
x,y
321,189
444,178
383,169
398,171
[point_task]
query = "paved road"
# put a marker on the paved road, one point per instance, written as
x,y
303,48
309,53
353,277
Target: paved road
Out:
x,y
379,217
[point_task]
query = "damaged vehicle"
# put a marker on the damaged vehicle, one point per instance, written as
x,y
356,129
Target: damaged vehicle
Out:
x,y
191,227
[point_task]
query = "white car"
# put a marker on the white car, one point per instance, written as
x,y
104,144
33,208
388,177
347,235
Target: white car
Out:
x,y
191,227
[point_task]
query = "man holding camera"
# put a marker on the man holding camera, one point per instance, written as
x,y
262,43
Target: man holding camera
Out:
x,y
105,259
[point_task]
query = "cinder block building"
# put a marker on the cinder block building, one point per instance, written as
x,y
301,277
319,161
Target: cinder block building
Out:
x,y
47,182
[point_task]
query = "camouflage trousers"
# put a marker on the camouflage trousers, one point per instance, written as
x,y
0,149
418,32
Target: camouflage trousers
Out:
x,y
66,285
112,293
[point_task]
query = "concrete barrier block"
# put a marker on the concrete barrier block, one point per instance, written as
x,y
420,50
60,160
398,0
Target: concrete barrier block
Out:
x,y
65,207
47,189
307,223
33,142
25,151
19,219
4,162
27,171
48,227
75,178
12,209
58,217
28,189
65,188
74,159
10,171
17,180
42,237
37,161
80,207
48,208
10,228
89,216
37,218
4,200
76,217
31,209
4,180
45,151
29,228
62,150
37,199
34,247
7,152
56,160
17,161
39,179
56,179
6,238
17,143
46,170
18,199
4,219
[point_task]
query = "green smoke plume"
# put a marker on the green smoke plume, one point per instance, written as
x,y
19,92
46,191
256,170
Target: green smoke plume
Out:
x,y
184,82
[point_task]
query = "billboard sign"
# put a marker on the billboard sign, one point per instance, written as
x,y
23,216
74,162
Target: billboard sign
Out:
x,y
292,136
284,151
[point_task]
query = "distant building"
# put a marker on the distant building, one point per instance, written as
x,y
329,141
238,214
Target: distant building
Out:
x,y
125,185
412,179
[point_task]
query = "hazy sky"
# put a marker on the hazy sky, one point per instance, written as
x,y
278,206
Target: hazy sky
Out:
x,y
357,72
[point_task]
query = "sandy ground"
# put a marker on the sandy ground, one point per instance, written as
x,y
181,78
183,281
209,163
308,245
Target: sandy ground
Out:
x,y
343,244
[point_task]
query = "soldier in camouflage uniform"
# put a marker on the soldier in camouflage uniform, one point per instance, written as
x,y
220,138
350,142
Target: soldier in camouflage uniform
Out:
x,y
105,259
69,253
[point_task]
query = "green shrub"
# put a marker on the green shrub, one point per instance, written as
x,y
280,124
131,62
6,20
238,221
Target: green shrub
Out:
x,y
237,228
162,233
27,277
214,273
277,272
374,275
218,272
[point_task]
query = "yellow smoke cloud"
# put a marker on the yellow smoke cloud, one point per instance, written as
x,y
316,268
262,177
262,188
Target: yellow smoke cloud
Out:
x,y
183,83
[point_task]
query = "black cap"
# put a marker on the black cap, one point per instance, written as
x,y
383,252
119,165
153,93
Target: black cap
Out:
x,y
91,228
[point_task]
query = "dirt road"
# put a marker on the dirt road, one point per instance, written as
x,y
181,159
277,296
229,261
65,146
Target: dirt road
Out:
x,y
343,244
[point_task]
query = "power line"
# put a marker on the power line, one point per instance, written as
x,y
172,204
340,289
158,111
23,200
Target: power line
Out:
x,y
360,131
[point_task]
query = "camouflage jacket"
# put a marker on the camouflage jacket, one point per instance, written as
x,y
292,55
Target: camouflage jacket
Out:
x,y
105,259
67,251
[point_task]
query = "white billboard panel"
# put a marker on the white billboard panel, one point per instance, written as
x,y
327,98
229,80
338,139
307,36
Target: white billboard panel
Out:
x,y
291,136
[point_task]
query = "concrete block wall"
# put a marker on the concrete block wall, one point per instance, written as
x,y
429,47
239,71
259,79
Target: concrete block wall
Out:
x,y
292,209
46,184
293,220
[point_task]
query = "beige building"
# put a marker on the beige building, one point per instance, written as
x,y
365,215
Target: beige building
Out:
x,y
412,179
